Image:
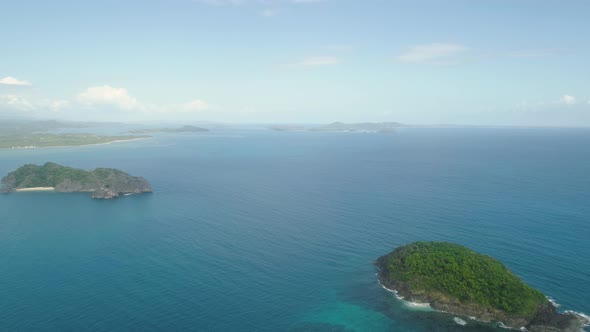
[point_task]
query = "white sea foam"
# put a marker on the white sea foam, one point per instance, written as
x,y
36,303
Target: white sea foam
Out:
x,y
585,318
555,304
399,297
418,305
414,305
459,321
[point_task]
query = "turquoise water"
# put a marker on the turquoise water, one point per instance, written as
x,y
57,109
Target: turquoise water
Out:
x,y
264,231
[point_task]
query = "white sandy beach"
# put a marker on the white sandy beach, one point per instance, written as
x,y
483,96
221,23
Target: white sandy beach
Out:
x,y
36,189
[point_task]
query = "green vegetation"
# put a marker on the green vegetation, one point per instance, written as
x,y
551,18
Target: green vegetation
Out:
x,y
183,129
40,134
103,182
48,140
446,271
48,175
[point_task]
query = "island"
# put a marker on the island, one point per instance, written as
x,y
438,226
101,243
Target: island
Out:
x,y
183,129
365,127
102,183
457,280
287,128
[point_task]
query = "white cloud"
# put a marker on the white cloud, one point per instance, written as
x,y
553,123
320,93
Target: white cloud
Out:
x,y
318,61
568,100
108,95
222,2
120,99
534,53
13,81
269,12
101,102
22,103
58,105
435,53
194,106
15,102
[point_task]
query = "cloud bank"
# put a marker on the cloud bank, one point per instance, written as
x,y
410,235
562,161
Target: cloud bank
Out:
x,y
13,81
435,53
100,102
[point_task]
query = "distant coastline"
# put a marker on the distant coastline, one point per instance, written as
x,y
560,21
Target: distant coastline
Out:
x,y
31,147
183,129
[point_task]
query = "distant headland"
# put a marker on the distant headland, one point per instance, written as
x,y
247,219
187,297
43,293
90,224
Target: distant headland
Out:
x,y
183,129
103,183
21,134
365,127
455,279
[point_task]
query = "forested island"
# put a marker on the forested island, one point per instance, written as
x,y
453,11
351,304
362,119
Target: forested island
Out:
x,y
455,279
103,183
183,129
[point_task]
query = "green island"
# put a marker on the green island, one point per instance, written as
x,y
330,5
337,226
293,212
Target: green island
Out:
x,y
183,129
455,279
102,183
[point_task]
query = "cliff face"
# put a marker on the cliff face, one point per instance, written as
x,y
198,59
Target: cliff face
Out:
x,y
102,182
457,280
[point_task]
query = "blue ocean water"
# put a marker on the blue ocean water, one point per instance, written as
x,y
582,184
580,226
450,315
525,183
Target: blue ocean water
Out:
x,y
277,231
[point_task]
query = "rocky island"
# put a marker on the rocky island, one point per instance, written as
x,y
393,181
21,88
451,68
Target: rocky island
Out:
x,y
103,183
460,281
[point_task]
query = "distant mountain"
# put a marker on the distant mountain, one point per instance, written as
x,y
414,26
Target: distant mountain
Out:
x,y
379,127
183,129
287,128
366,127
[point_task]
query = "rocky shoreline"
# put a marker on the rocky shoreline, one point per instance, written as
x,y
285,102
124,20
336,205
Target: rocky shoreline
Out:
x,y
544,318
549,320
102,183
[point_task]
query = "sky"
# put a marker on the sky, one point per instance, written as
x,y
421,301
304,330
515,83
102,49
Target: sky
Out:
x,y
480,62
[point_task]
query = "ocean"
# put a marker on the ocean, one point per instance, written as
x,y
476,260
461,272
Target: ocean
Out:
x,y
255,230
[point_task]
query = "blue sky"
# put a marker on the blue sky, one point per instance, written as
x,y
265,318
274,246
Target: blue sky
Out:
x,y
514,62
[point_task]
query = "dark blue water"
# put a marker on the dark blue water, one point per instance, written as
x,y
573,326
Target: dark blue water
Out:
x,y
264,231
